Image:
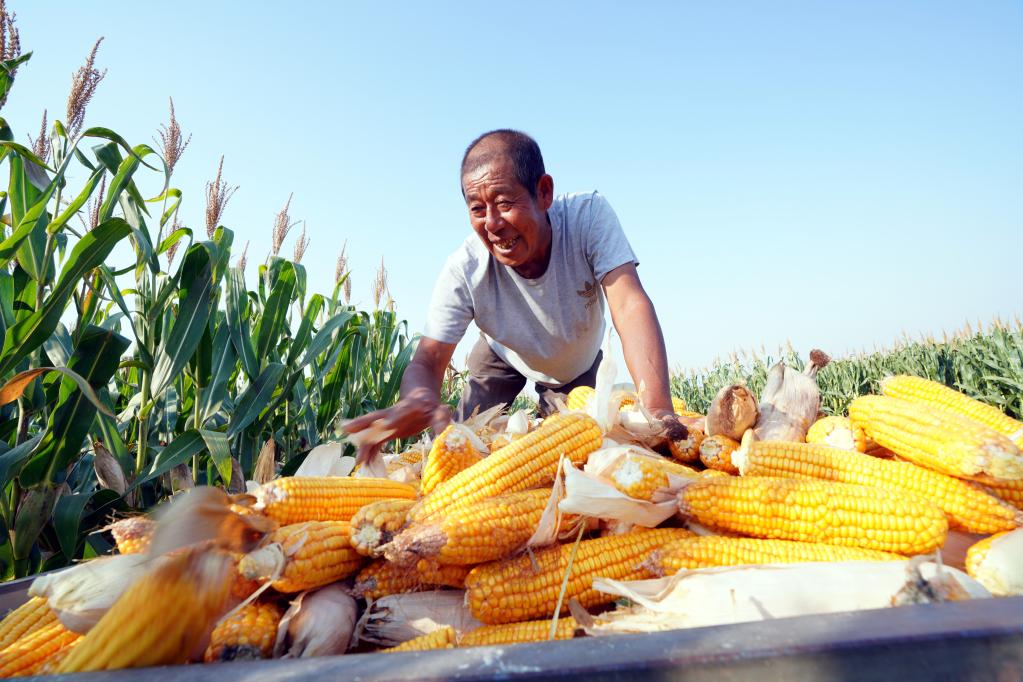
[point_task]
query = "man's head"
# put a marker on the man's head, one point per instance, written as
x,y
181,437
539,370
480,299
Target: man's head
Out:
x,y
508,193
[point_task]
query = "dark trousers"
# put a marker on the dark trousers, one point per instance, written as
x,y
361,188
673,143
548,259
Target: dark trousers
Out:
x,y
492,381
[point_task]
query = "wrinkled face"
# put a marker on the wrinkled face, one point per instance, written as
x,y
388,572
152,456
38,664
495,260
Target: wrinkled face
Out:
x,y
512,224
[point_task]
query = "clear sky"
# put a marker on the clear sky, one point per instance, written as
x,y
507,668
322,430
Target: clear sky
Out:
x,y
831,173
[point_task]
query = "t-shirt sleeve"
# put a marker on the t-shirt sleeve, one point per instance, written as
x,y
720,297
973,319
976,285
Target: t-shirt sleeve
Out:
x,y
450,310
606,244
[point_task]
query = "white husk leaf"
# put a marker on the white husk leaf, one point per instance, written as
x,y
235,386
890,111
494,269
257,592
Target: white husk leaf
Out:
x,y
1001,571
326,460
590,492
398,618
736,594
518,423
486,418
80,595
546,532
318,623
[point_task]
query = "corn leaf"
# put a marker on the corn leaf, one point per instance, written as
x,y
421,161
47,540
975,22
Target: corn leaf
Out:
x,y
16,385
179,451
224,361
220,452
255,398
238,322
271,323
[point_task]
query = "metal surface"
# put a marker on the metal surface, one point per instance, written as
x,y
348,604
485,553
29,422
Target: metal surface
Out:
x,y
976,640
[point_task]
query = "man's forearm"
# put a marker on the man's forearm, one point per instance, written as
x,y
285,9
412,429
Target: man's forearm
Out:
x,y
645,356
420,381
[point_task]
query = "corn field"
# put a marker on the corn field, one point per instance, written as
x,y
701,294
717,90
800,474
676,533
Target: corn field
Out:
x,y
124,381
986,364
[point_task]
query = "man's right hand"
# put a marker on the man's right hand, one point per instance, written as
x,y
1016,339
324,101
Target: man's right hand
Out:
x,y
409,416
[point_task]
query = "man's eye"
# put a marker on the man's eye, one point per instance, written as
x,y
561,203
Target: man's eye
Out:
x,y
504,205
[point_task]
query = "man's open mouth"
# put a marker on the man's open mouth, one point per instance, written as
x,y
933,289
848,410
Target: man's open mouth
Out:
x,y
507,244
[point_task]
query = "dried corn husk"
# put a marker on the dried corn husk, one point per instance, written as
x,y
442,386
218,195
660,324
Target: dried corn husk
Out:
x,y
398,618
790,401
1001,570
326,460
591,492
736,594
265,469
318,623
80,595
733,410
109,473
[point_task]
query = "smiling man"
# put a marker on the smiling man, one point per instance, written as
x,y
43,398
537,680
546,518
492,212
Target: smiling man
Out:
x,y
534,277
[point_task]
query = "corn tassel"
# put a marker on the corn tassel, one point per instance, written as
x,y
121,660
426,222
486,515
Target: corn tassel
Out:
x,y
441,638
302,556
161,618
24,620
715,550
376,524
517,633
28,654
816,511
716,453
936,439
529,462
933,394
968,508
247,635
454,450
297,499
527,587
382,578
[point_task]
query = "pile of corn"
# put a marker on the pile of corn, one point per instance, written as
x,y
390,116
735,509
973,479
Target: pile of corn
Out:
x,y
887,482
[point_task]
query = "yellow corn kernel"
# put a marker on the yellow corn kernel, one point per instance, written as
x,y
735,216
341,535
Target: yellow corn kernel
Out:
x,y
376,524
382,578
133,535
997,563
28,654
517,633
926,392
27,618
639,478
816,511
579,398
526,588
687,449
968,507
716,453
1009,491
453,450
529,462
302,556
715,550
248,634
161,618
441,638
939,440
296,499
679,406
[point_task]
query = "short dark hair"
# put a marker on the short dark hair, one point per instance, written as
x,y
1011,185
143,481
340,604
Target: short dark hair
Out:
x,y
523,151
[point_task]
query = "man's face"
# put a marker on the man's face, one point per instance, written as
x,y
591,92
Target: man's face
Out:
x,y
512,224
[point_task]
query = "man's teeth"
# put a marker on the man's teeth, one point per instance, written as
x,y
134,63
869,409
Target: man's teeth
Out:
x,y
507,243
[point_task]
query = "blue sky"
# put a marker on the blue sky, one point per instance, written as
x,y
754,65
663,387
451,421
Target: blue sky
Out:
x,y
834,174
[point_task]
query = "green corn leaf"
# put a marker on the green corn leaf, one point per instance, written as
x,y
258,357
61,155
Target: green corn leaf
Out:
x,y
220,452
12,461
16,385
238,322
95,358
90,186
272,322
305,329
255,398
221,370
178,451
67,519
196,287
30,332
173,238
28,212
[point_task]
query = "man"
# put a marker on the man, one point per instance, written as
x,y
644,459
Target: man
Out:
x,y
534,278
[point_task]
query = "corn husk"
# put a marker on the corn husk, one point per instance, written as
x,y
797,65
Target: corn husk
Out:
x,y
318,623
591,492
80,595
1001,571
327,460
398,618
737,594
732,411
790,401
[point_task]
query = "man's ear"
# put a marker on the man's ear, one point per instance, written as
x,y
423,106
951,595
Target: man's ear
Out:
x,y
545,192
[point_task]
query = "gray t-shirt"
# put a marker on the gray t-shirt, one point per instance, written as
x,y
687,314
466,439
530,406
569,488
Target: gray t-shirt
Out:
x,y
549,328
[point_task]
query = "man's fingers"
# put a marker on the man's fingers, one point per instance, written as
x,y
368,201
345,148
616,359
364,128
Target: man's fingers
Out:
x,y
367,453
358,423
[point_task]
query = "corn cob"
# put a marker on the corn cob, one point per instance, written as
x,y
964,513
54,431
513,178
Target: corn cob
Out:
x,y
34,649
452,451
639,478
939,440
715,550
1009,491
382,578
579,398
517,633
527,587
325,498
161,618
816,511
529,462
488,530
247,635
834,431
716,453
302,556
678,406
968,508
441,638
53,661
712,473
376,524
687,449
24,620
931,393
672,467
997,563
133,535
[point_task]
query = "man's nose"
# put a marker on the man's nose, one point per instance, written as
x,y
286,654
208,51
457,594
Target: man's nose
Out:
x,y
493,220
